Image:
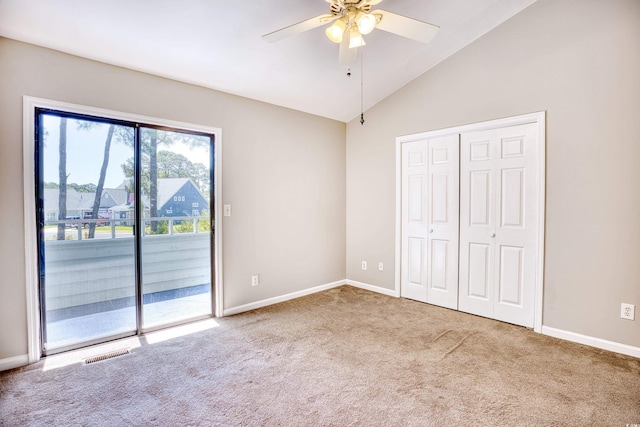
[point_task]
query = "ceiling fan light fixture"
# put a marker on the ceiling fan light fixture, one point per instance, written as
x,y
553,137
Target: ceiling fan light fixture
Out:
x,y
366,22
356,39
335,31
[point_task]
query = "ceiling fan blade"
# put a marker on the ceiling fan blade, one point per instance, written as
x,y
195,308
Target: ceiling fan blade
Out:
x,y
406,27
298,28
346,56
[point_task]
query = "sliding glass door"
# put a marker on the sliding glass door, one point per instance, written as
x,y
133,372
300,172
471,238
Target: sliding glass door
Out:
x,y
176,243
99,181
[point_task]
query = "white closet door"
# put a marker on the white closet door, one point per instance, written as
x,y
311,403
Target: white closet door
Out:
x,y
517,223
430,194
477,222
442,240
413,282
498,223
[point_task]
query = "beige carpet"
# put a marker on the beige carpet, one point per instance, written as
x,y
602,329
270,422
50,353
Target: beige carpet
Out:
x,y
342,357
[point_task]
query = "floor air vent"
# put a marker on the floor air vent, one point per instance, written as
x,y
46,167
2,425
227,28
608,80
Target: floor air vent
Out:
x,y
106,356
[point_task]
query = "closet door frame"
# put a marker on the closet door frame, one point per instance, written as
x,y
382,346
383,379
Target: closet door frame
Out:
x,y
538,118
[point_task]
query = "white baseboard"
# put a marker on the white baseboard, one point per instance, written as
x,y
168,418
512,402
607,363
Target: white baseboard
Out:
x,y
373,288
592,341
14,362
281,298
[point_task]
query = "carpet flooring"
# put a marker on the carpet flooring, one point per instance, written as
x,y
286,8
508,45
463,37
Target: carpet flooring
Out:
x,y
343,357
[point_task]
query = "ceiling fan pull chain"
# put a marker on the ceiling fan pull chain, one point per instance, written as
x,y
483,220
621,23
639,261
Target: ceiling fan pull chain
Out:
x,y
362,86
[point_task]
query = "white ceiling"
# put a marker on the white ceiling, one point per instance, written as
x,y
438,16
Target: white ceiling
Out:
x,y
217,44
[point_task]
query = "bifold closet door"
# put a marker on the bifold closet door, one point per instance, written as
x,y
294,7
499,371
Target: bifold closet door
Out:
x,y
498,223
430,186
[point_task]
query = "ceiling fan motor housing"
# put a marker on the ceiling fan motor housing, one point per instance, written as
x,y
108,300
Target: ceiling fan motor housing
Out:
x,y
338,7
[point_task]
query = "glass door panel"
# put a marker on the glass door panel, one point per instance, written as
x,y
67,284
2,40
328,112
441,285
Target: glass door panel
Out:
x,y
85,224
175,185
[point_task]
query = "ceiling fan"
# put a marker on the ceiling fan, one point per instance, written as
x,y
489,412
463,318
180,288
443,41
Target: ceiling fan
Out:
x,y
354,18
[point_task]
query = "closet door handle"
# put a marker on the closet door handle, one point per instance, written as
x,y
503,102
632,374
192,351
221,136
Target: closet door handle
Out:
x,y
431,230
492,235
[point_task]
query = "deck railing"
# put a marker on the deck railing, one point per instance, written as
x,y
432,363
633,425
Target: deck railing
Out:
x,y
174,225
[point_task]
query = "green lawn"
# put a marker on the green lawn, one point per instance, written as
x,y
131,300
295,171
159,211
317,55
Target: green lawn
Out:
x,y
118,228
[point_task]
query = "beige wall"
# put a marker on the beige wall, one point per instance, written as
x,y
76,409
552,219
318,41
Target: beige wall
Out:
x,y
284,174
284,171
580,61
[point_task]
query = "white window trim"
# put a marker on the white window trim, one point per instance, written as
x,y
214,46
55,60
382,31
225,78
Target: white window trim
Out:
x,y
29,105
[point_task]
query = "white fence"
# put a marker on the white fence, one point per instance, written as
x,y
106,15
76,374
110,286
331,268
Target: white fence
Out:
x,y
78,229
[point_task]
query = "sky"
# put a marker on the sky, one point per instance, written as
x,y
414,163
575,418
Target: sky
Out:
x,y
85,152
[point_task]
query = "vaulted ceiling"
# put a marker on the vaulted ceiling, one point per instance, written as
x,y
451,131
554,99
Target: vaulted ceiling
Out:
x,y
217,44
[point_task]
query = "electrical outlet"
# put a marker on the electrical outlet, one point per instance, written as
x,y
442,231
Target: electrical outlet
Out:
x,y
255,280
364,265
628,311
380,266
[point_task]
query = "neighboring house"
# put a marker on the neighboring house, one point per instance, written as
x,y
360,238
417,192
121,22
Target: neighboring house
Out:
x,y
176,197
180,197
116,202
77,203
113,197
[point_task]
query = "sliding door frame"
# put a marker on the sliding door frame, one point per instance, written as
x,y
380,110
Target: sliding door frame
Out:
x,y
30,105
